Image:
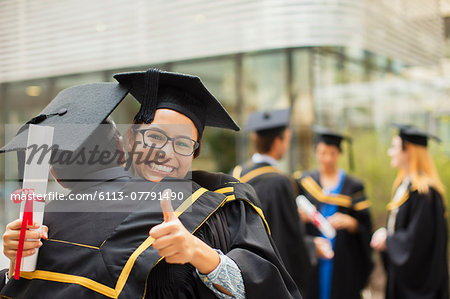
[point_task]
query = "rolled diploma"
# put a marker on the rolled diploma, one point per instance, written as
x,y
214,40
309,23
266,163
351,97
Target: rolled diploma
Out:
x,y
36,177
319,221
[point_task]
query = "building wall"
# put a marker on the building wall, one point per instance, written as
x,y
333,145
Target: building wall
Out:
x,y
47,38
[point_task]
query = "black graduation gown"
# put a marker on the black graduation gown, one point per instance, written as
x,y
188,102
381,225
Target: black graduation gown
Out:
x,y
3,277
125,265
92,227
277,199
352,261
239,230
416,255
92,220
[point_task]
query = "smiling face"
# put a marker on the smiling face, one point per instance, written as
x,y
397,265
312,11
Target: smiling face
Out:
x,y
156,164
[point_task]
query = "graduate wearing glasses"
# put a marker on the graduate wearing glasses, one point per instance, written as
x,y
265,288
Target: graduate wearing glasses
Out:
x,y
271,137
221,247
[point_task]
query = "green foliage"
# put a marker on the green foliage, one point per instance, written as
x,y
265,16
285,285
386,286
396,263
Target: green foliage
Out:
x,y
442,162
372,166
219,147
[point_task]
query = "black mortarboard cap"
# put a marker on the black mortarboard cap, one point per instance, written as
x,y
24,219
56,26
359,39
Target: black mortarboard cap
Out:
x,y
88,105
330,137
414,135
186,94
261,121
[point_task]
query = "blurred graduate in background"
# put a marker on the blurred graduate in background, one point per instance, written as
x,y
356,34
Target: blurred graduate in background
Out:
x,y
340,198
414,242
271,137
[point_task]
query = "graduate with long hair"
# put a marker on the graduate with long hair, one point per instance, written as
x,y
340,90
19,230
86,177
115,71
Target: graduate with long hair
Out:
x,y
414,242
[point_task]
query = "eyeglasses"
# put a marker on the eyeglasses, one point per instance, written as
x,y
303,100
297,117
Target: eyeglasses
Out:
x,y
181,145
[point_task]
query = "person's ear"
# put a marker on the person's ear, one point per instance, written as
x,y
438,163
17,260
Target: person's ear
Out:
x,y
121,151
52,171
278,141
288,135
130,140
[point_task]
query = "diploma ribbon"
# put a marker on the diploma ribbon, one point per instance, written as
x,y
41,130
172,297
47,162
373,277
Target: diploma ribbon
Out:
x,y
27,219
315,219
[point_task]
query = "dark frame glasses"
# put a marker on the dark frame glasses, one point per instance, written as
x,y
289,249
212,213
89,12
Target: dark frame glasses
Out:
x,y
194,144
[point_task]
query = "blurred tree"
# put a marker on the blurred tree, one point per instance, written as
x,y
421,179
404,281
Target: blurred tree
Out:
x,y
222,145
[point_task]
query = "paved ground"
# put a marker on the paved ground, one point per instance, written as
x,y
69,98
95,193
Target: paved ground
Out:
x,y
377,281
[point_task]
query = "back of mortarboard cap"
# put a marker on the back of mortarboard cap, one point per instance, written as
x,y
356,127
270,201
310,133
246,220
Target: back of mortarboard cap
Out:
x,y
185,94
86,106
261,121
414,135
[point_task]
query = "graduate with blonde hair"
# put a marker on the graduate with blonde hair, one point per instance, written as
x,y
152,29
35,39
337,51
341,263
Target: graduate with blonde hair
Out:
x,y
414,242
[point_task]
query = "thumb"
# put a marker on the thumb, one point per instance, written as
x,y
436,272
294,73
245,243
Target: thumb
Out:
x,y
44,232
166,206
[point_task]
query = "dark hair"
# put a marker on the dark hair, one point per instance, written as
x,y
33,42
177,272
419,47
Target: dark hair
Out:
x,y
264,139
105,138
403,144
197,151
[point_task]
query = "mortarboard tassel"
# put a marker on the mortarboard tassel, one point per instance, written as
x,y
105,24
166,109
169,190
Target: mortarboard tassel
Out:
x,y
41,117
146,113
38,119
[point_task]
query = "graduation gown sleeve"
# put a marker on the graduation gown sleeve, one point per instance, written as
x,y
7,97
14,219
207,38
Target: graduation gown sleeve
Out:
x,y
416,252
3,278
254,252
288,232
251,246
123,265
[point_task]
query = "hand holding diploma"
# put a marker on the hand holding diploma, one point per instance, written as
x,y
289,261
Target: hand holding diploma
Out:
x,y
323,248
316,218
35,179
343,221
32,241
378,241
